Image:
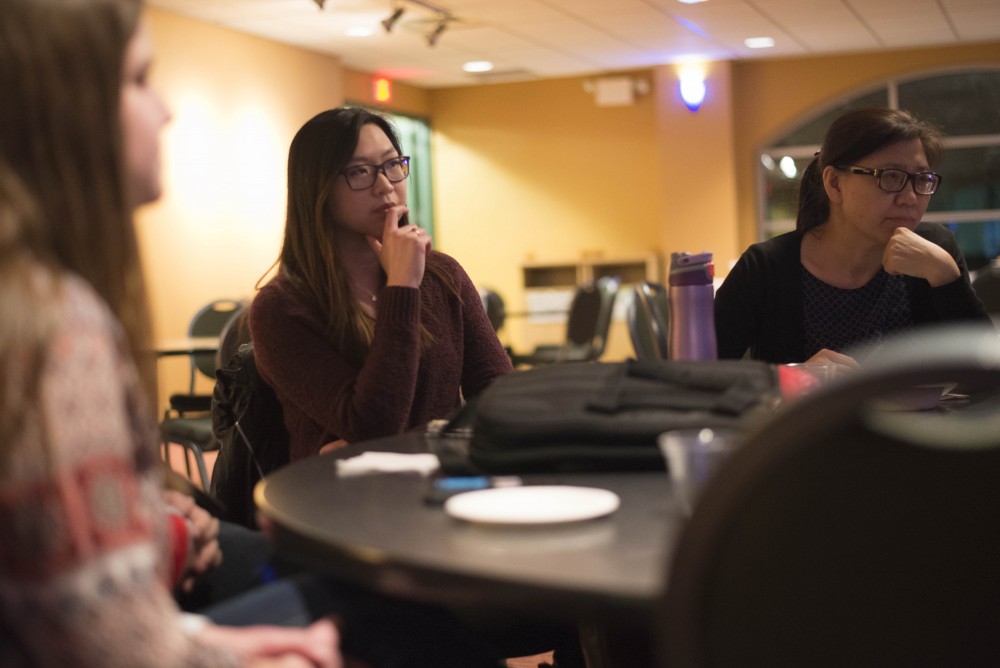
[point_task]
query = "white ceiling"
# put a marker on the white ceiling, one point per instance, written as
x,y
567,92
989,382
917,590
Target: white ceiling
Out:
x,y
535,39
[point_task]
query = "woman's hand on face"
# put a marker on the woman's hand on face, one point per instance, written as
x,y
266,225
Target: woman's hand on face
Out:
x,y
828,357
316,646
909,254
402,251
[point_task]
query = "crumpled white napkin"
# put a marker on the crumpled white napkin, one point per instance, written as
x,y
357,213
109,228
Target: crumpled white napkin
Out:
x,y
388,462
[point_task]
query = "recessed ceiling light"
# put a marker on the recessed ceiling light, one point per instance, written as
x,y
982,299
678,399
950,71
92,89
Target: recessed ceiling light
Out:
x,y
759,42
360,31
478,66
690,2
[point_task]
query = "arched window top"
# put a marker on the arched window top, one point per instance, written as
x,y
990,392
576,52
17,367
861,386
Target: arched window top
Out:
x,y
810,132
963,103
960,103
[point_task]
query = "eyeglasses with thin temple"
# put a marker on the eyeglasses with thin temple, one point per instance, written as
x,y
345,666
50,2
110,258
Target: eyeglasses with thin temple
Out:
x,y
894,180
363,176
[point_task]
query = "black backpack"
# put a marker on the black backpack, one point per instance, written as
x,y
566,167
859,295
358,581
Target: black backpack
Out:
x,y
247,421
598,416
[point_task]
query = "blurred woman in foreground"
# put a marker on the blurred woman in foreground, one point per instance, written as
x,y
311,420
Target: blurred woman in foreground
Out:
x,y
84,576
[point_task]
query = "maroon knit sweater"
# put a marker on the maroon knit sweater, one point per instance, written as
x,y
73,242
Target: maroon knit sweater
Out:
x,y
399,387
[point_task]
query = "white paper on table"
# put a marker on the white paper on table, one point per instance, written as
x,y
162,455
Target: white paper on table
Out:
x,y
388,462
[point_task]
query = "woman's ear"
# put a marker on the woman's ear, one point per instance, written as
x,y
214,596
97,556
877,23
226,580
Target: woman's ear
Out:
x,y
832,184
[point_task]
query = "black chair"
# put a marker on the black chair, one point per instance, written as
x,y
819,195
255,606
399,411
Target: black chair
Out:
x,y
187,421
587,327
987,286
648,320
248,425
496,311
846,534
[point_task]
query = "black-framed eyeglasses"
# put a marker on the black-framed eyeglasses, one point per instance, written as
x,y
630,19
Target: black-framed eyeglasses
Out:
x,y
363,176
893,180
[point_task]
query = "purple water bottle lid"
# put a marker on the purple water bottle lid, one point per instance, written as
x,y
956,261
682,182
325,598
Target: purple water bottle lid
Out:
x,y
688,269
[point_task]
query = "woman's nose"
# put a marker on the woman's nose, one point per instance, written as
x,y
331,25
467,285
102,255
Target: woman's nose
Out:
x,y
382,183
907,194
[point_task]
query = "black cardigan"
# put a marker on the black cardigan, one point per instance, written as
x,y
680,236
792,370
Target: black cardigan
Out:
x,y
759,305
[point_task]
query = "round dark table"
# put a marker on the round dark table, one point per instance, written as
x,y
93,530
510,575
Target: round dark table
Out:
x,y
378,531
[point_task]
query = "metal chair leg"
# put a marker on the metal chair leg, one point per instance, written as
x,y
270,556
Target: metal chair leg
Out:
x,y
194,449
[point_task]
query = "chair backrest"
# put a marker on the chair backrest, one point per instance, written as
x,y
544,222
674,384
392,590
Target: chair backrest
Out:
x,y
842,534
496,311
234,335
608,288
210,320
987,287
590,313
584,310
648,320
247,420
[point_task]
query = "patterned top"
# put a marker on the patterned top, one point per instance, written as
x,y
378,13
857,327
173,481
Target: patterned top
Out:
x,y
82,528
840,319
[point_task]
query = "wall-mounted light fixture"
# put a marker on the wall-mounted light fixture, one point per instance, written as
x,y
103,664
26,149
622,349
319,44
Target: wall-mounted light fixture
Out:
x,y
692,85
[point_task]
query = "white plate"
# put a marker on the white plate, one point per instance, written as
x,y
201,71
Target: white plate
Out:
x,y
532,504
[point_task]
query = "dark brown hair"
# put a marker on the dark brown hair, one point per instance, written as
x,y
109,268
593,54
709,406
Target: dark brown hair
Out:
x,y
850,138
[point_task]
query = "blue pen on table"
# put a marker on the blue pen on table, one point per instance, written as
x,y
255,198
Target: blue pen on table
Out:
x,y
440,489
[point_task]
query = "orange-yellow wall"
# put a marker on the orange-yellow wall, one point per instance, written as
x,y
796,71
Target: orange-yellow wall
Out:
x,y
697,160
358,87
236,103
536,172
522,171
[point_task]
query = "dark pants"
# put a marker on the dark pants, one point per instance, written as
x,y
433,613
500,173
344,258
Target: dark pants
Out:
x,y
247,562
253,587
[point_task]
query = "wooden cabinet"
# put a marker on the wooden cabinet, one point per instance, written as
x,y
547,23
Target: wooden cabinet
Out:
x,y
549,288
569,274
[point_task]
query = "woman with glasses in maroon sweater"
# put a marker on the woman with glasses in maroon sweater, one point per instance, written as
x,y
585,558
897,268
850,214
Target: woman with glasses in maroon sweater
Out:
x,y
365,331
860,264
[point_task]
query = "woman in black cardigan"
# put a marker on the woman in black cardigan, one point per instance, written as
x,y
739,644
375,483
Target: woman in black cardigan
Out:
x,y
860,264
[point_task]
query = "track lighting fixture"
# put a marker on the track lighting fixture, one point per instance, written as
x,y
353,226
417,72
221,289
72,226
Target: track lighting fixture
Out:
x,y
444,17
390,22
435,34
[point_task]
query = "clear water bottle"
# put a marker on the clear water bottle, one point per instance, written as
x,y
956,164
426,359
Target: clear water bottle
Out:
x,y
692,307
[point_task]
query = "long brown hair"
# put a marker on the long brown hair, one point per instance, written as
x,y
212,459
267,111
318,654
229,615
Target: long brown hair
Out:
x,y
854,135
61,67
319,152
27,319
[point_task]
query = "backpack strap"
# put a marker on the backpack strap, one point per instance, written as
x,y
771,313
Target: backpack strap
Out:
x,y
729,389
